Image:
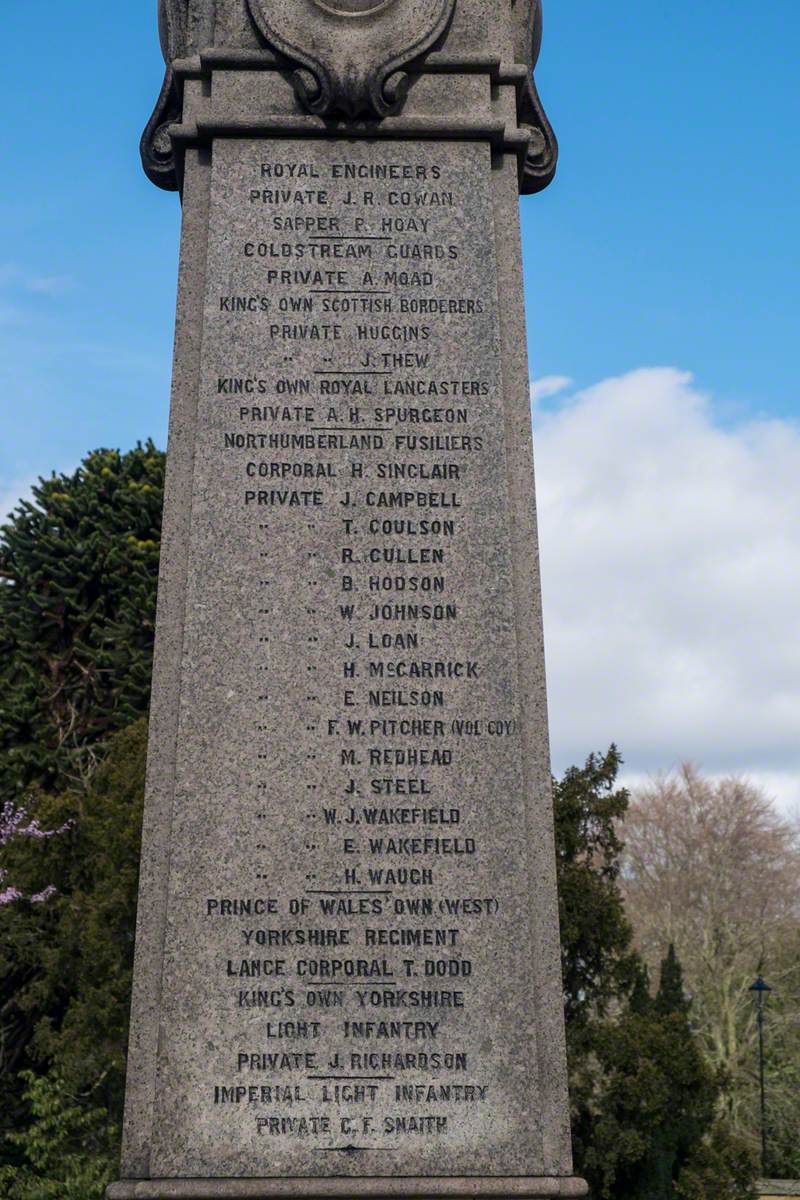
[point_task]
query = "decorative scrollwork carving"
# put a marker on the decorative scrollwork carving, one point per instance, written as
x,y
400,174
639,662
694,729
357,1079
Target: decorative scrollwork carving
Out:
x,y
158,158
542,158
350,53
347,58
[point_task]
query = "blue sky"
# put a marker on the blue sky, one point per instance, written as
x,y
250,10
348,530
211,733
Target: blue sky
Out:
x,y
669,241
672,234
670,237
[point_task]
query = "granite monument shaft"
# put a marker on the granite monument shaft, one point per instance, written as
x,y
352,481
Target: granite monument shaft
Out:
x,y
347,970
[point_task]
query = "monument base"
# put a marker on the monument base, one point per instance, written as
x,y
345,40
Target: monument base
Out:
x,y
377,1189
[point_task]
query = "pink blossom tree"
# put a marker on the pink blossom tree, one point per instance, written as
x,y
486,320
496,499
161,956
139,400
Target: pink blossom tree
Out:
x,y
16,823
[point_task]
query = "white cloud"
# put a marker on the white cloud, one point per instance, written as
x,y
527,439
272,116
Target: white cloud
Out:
x,y
671,568
549,385
782,787
48,285
40,285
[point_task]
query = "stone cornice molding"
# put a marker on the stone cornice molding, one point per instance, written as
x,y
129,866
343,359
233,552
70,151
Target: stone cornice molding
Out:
x,y
345,95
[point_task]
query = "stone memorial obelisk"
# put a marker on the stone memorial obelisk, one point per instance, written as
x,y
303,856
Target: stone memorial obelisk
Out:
x,y
347,971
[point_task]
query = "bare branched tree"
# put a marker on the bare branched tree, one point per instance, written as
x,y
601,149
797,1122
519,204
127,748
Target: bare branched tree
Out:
x,y
711,867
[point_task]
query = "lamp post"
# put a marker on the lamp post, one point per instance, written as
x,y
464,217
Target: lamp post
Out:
x,y
762,990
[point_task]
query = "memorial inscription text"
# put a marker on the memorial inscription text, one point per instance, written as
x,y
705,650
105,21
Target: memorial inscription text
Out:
x,y
347,902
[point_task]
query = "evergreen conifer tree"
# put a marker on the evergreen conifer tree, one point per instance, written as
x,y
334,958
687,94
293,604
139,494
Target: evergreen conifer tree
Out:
x,y
78,575
671,997
78,570
644,1100
77,601
66,968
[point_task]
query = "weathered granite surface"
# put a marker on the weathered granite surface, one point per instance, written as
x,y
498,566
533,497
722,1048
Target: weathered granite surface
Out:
x,y
377,1189
347,975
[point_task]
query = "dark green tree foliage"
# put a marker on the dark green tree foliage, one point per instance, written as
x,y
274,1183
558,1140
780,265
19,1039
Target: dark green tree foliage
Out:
x,y
644,1101
89,1046
72,961
671,998
77,600
78,568
31,937
721,1166
655,1098
596,957
68,1150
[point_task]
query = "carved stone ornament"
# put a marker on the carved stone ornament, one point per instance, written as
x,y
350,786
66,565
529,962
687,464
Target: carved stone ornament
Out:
x,y
350,52
158,158
542,157
348,56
